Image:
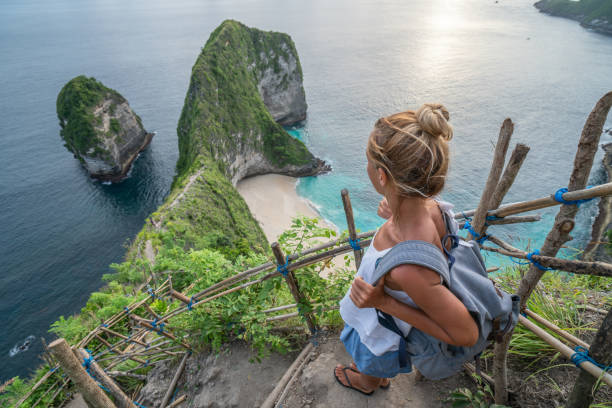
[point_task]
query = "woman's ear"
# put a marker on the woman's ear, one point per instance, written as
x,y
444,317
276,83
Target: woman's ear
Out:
x,y
382,176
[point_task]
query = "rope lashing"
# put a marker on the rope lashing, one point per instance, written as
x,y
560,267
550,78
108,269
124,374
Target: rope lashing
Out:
x,y
141,406
190,304
127,310
492,218
87,365
103,325
558,196
157,327
478,237
529,257
282,269
581,355
151,292
354,243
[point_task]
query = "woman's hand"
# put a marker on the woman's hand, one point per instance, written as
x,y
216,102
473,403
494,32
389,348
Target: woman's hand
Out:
x,y
383,209
365,295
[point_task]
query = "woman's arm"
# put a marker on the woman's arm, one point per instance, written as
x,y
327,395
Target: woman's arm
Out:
x,y
441,314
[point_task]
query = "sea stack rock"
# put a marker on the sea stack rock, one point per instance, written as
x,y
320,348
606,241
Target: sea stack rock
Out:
x,y
99,128
245,85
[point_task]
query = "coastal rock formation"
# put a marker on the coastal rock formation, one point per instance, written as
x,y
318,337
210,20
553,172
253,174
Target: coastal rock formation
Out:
x,y
596,250
99,128
244,83
595,15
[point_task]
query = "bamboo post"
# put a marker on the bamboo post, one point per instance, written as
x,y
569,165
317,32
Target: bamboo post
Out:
x,y
121,399
519,154
600,351
175,379
35,387
293,286
75,371
497,166
350,221
559,233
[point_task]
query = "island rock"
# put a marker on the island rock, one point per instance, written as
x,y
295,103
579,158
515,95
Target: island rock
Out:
x,y
99,128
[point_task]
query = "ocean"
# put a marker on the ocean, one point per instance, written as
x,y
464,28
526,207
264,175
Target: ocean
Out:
x,y
485,60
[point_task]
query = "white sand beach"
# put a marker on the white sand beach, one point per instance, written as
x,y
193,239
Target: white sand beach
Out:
x,y
273,201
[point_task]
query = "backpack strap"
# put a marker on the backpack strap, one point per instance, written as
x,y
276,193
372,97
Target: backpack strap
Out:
x,y
415,253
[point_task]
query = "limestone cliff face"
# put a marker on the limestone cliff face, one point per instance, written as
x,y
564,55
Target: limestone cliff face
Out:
x,y
279,82
244,85
100,128
596,250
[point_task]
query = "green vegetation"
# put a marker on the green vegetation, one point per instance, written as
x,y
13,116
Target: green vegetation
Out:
x,y
223,108
115,127
583,10
75,104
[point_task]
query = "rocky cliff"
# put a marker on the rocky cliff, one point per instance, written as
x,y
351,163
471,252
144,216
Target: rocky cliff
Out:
x,y
595,15
597,250
99,128
244,84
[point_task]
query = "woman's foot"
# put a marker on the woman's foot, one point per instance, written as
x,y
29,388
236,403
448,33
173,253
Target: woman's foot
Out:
x,y
384,384
350,377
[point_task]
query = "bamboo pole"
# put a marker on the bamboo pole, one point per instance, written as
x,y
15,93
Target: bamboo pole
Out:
x,y
509,220
567,336
163,333
272,397
293,286
566,351
287,387
75,371
139,377
295,314
497,166
121,399
177,401
350,221
471,369
56,393
175,379
519,154
35,387
544,202
44,394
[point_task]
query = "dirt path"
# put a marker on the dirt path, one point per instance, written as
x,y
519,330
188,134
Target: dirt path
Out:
x,y
316,386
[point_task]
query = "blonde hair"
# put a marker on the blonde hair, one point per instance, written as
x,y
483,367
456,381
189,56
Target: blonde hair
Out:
x,y
412,148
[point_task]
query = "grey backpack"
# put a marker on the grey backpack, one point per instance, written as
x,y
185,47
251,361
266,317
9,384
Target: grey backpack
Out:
x,y
465,275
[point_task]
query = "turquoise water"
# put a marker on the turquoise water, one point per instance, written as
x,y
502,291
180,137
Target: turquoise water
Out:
x,y
361,59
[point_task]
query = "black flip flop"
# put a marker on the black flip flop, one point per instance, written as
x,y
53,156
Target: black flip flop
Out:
x,y
349,381
382,387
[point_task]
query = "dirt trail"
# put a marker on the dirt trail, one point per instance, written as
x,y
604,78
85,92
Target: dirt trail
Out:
x,y
316,386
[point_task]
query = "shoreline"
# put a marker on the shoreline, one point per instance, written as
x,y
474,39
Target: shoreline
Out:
x,y
273,200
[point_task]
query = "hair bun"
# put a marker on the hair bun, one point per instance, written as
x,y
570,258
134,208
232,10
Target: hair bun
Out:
x,y
433,118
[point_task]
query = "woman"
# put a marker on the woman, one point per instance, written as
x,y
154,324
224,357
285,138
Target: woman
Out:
x,y
407,163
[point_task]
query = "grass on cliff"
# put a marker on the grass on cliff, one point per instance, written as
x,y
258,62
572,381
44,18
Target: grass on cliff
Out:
x,y
223,110
75,104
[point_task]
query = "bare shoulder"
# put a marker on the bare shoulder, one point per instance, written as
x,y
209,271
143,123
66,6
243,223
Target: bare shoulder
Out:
x,y
410,278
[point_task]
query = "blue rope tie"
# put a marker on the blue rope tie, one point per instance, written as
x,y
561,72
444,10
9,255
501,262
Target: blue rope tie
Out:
x,y
190,304
559,198
493,217
529,257
103,325
478,238
355,244
150,291
581,355
146,364
141,406
158,328
127,310
282,269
